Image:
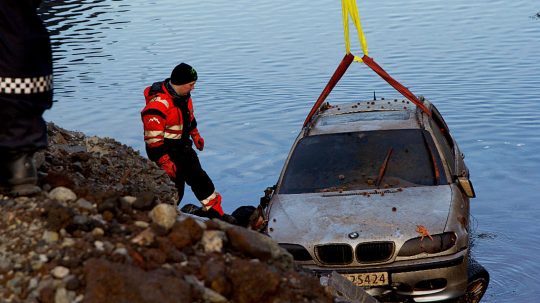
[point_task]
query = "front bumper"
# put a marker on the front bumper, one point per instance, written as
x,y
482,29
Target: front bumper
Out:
x,y
421,280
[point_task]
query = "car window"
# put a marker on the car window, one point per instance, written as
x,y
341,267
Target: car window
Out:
x,y
354,161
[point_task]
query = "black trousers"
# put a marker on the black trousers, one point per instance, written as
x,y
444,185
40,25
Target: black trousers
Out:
x,y
190,172
22,128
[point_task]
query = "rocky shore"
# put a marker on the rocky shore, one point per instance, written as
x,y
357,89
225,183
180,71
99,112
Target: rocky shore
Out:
x,y
105,229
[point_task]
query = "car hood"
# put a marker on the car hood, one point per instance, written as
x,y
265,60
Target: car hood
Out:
x,y
376,215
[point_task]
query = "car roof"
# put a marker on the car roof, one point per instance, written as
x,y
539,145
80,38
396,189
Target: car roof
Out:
x,y
365,116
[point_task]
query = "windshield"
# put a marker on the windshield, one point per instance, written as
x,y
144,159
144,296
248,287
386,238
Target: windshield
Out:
x,y
363,160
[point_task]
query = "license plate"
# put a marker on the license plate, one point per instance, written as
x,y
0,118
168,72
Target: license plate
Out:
x,y
368,279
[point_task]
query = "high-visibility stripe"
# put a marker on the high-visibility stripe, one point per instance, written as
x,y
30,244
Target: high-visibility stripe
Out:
x,y
207,200
174,127
172,136
153,133
152,140
163,101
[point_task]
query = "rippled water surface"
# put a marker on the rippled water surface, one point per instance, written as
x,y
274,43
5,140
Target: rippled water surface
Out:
x,y
262,64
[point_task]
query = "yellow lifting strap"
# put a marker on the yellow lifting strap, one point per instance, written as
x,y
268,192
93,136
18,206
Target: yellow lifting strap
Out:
x,y
350,8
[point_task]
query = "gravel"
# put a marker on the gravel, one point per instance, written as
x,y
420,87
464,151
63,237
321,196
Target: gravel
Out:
x,y
105,228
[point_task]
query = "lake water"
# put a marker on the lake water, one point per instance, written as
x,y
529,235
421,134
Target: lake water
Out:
x,y
262,64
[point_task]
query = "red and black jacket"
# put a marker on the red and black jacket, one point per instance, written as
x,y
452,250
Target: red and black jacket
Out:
x,y
168,120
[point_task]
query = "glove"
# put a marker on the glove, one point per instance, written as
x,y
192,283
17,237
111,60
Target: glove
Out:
x,y
168,166
215,204
197,139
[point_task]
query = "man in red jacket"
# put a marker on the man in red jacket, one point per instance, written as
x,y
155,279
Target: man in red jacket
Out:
x,y
170,129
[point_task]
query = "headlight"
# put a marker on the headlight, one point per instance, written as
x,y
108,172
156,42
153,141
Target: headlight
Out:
x,y
440,243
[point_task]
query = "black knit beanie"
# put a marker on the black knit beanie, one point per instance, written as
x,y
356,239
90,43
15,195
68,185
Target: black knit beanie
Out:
x,y
183,73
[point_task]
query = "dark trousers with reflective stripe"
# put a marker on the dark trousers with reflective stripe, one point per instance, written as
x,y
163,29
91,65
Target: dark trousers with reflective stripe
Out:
x,y
190,172
22,128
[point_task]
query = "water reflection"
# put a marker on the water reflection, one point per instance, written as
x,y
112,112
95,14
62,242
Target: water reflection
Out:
x,y
75,25
78,32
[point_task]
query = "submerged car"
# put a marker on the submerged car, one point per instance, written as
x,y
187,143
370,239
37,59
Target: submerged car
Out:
x,y
378,191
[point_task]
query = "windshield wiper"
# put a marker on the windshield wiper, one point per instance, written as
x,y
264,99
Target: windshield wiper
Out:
x,y
382,170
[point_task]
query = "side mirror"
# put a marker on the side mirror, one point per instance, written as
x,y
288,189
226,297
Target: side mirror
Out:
x,y
467,186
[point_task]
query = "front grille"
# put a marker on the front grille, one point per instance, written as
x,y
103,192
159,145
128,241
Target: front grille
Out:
x,y
334,254
298,252
374,251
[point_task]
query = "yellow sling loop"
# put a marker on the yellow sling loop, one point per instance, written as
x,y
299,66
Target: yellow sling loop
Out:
x,y
350,8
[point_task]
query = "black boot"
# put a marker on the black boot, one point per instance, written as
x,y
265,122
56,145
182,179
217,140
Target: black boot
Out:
x,y
20,175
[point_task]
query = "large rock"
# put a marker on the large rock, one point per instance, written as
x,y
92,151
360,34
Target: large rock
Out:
x,y
246,289
259,246
164,215
185,233
123,283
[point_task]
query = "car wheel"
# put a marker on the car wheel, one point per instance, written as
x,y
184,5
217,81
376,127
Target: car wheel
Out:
x,y
478,281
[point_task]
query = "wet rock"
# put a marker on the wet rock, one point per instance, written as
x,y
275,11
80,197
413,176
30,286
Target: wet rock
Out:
x,y
110,282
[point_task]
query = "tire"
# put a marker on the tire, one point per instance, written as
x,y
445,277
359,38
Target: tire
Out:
x,y
478,281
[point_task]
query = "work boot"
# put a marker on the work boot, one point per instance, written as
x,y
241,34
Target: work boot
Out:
x,y
210,214
20,175
190,209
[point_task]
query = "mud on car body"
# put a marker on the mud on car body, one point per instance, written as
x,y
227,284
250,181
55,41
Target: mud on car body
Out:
x,y
378,191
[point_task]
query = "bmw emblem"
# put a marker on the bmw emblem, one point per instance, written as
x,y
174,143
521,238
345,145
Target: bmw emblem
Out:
x,y
353,235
